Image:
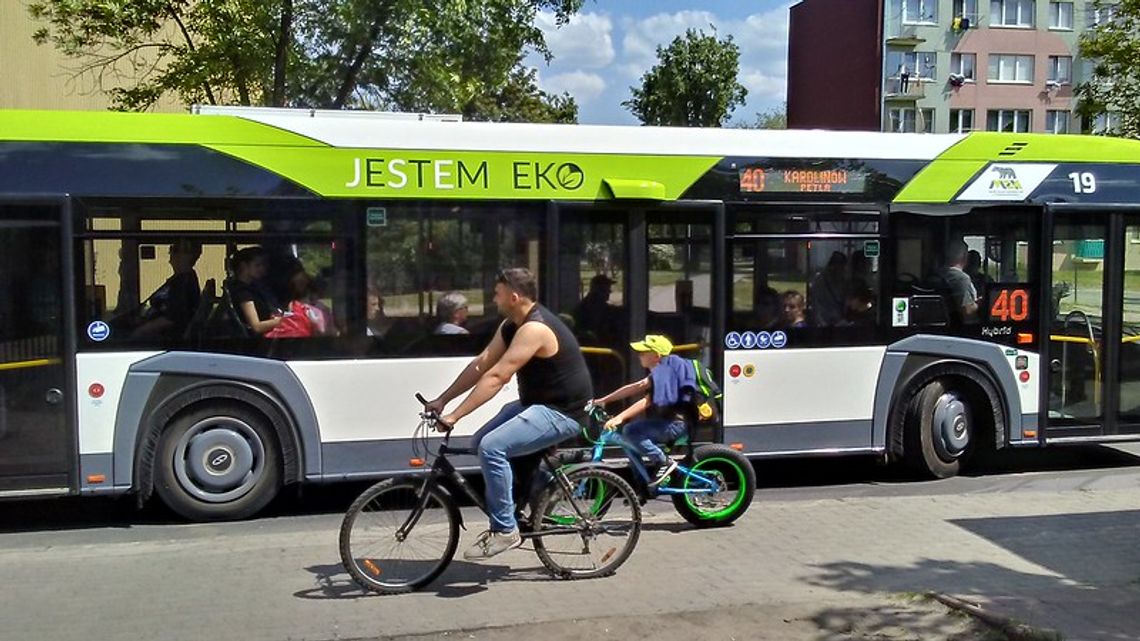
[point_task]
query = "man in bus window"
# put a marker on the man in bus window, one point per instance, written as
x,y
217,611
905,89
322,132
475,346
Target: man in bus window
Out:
x,y
962,292
594,318
554,386
172,305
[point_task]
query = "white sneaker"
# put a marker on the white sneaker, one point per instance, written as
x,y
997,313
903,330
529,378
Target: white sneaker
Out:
x,y
492,543
663,473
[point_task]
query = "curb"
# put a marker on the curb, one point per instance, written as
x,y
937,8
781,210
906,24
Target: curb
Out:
x,y
1013,629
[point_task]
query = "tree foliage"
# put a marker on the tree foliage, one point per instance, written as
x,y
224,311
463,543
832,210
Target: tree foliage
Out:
x,y
1114,47
774,118
693,83
457,56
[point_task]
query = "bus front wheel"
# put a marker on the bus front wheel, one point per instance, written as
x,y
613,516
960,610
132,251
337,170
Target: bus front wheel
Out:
x,y
218,462
939,431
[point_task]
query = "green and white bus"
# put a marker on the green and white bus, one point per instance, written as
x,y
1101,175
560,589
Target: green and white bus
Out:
x,y
912,297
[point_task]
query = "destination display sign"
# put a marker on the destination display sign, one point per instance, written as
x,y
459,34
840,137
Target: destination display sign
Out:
x,y
802,179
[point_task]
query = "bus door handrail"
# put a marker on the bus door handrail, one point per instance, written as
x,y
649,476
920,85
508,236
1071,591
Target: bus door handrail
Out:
x,y
1065,339
605,351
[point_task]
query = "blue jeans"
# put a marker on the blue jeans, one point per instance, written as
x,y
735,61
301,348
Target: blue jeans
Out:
x,y
645,434
515,431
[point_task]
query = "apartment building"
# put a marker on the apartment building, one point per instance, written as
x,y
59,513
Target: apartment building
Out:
x,y
939,65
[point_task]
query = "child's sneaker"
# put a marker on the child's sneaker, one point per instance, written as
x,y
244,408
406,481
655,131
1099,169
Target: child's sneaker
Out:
x,y
663,473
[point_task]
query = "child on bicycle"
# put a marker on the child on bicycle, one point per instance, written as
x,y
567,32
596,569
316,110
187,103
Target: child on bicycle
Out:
x,y
666,396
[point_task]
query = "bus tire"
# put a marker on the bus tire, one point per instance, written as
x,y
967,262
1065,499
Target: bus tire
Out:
x,y
217,462
940,430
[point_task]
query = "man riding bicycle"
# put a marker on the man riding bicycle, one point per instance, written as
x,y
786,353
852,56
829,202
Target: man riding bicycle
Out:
x,y
554,387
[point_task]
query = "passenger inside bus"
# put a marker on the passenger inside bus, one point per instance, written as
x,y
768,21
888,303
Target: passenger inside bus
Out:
x,y
963,297
379,324
974,270
169,309
828,291
595,320
794,310
451,314
251,299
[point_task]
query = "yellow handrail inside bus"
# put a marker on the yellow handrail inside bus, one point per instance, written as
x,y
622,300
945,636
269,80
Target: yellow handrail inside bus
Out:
x,y
1060,338
605,351
40,362
688,347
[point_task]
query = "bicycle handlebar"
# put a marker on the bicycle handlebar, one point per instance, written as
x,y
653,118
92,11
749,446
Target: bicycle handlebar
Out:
x,y
434,417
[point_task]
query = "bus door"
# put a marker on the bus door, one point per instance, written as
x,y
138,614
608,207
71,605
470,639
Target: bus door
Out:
x,y
1093,373
621,271
37,440
589,284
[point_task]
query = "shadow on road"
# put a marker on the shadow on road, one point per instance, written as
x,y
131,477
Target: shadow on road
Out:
x,y
1094,592
460,579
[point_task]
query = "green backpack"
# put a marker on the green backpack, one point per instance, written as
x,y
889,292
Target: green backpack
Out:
x,y
707,396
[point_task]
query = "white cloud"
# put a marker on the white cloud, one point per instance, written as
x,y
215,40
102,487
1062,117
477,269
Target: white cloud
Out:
x,y
763,87
584,42
639,46
582,85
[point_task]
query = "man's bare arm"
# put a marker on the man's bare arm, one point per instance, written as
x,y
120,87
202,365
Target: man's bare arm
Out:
x,y
470,374
530,338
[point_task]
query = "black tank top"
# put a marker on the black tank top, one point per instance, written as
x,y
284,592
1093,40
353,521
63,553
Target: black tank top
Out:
x,y
560,382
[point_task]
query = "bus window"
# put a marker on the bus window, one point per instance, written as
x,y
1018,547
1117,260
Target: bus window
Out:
x,y
965,270
431,271
163,276
813,277
680,280
1130,334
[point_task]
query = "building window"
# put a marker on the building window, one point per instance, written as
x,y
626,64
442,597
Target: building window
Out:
x,y
918,64
1106,123
963,64
1098,15
961,121
1061,69
1057,121
920,11
966,9
911,120
1011,13
1010,68
1008,120
1061,15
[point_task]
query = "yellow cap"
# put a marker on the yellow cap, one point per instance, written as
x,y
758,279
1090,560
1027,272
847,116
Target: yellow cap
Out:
x,y
653,343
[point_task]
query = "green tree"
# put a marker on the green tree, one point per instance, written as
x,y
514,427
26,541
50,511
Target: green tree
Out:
x,y
1114,46
774,118
431,55
693,83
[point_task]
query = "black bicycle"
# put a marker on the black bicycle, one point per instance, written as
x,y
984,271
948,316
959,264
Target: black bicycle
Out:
x,y
401,533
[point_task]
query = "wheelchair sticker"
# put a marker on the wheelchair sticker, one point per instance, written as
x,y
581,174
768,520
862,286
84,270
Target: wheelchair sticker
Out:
x,y
732,340
748,340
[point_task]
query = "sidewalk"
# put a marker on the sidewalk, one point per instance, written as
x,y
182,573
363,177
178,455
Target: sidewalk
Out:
x,y
1055,551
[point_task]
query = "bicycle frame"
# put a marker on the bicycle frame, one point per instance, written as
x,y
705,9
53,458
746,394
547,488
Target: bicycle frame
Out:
x,y
613,437
443,469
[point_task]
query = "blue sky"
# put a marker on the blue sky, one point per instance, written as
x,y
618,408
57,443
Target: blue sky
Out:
x,y
609,45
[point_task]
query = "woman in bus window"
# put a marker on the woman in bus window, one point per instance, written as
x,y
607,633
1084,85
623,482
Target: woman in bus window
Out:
x,y
794,310
253,305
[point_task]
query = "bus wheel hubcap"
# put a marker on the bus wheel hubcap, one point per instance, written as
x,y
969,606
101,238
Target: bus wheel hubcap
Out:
x,y
219,459
951,426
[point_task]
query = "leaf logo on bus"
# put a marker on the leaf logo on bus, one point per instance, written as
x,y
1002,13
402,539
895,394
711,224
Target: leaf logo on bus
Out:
x,y
570,176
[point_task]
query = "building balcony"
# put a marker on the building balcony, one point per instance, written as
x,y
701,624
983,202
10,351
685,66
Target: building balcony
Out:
x,y
915,90
906,35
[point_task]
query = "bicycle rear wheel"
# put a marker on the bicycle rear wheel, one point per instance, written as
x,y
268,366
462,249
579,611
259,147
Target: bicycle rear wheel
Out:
x,y
590,530
735,485
382,560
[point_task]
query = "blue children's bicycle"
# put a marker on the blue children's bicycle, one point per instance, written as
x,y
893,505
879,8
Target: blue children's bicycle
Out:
x,y
712,486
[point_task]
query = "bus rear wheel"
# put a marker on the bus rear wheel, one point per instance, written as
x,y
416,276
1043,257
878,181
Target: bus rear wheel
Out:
x,y
216,463
940,431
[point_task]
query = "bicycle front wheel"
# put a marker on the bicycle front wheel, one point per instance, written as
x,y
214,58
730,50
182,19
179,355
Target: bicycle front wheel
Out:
x,y
589,528
398,536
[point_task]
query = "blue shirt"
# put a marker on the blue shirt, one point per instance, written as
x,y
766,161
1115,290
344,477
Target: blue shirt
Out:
x,y
670,379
